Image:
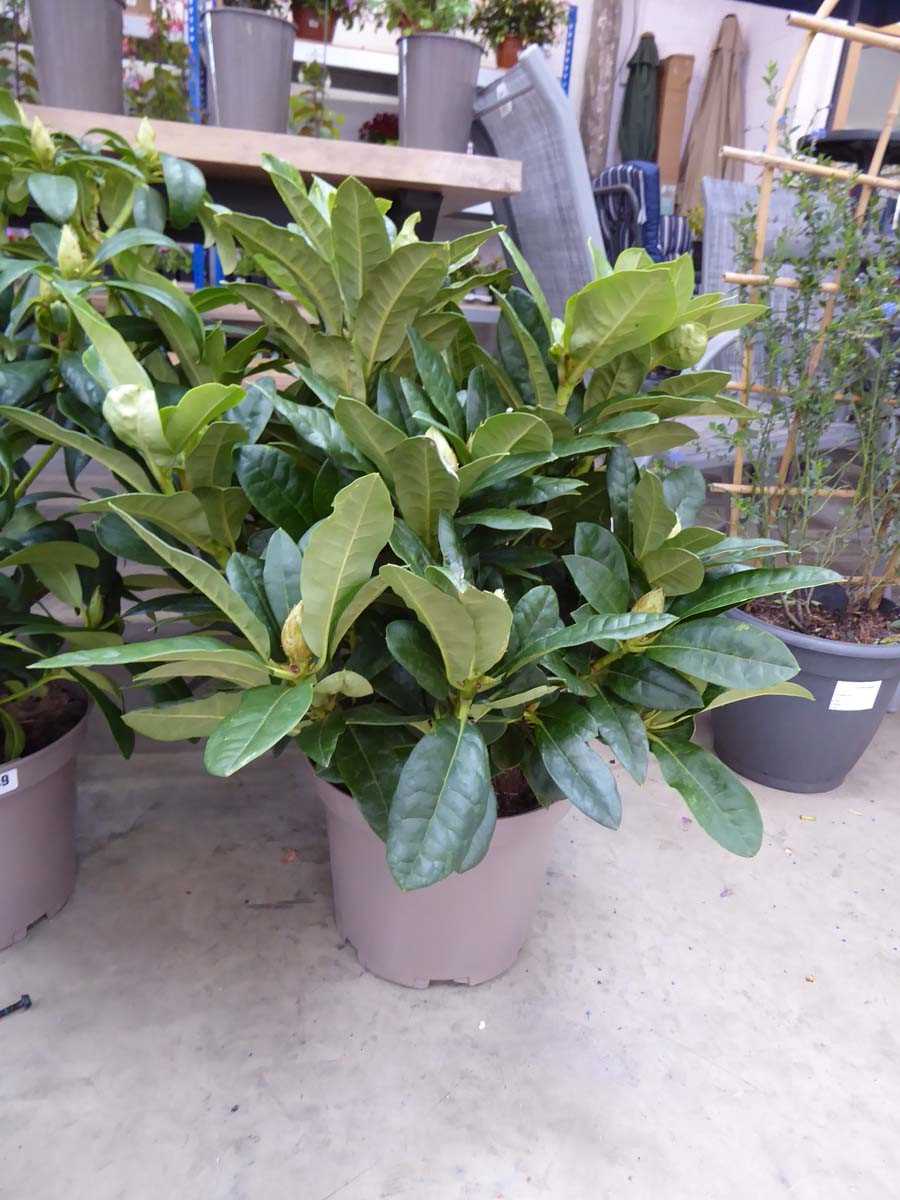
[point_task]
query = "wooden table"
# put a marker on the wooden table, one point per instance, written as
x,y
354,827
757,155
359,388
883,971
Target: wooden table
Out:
x,y
428,181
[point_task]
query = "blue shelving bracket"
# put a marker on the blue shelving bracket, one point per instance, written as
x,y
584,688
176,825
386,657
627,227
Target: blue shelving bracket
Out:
x,y
571,21
197,98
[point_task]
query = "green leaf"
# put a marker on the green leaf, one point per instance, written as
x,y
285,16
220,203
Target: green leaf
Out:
x,y
281,574
190,647
505,518
604,591
196,409
208,581
511,433
730,316
278,490
369,432
67,554
718,800
622,729
265,715
577,769
185,189
491,618
659,438
529,278
423,485
180,514
621,481
225,509
286,325
437,382
366,595
359,238
541,385
319,428
340,555
621,312
697,539
684,490
395,293
450,623
735,695
649,685
618,626
210,463
311,277
368,761
439,805
128,239
535,616
414,650
244,675
117,461
56,195
739,550
245,575
319,739
727,652
290,187
718,594
673,569
182,719
118,362
651,518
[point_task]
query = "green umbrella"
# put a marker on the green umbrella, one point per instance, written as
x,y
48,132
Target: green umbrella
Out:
x,y
637,128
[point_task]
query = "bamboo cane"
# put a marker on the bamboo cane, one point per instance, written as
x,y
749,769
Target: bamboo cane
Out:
x,y
800,165
752,489
849,33
828,309
766,184
784,281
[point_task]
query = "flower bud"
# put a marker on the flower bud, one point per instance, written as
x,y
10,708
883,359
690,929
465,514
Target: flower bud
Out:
x,y
292,640
69,258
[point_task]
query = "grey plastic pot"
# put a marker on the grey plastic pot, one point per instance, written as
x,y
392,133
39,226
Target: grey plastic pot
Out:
x,y
438,81
78,53
804,746
467,928
251,55
37,834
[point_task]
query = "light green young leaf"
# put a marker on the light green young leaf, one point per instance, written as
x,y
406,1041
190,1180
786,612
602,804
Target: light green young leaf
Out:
x,y
424,486
396,292
182,719
265,715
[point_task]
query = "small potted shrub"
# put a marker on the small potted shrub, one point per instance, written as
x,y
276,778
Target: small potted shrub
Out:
x,y
843,435
316,22
510,25
310,115
78,53
156,86
438,72
440,575
381,130
252,55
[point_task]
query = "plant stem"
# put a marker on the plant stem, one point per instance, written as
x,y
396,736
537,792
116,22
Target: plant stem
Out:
x,y
32,474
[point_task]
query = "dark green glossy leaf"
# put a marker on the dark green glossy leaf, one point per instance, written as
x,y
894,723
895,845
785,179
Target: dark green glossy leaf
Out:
x,y
412,647
718,800
650,685
368,761
718,594
727,652
577,769
623,731
276,487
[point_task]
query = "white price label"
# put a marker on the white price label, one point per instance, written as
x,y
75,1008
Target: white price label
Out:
x,y
855,695
9,781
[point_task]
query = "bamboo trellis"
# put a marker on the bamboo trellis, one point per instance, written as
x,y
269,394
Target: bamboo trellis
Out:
x,y
771,162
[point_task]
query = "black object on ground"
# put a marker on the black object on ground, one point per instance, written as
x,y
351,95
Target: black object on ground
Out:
x,y
24,1002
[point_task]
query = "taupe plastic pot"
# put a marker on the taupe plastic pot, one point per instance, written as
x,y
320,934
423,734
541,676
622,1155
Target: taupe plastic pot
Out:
x,y
805,746
467,928
251,55
37,834
78,53
438,81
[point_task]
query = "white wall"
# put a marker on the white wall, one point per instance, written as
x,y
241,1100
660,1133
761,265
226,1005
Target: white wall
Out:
x,y
692,26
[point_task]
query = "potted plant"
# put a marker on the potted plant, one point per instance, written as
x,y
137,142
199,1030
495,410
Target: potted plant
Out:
x,y
78,53
17,68
510,25
381,130
316,22
443,596
257,32
310,115
438,72
827,421
156,85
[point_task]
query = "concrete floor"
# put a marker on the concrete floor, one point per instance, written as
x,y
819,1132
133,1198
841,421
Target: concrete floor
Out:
x,y
682,1025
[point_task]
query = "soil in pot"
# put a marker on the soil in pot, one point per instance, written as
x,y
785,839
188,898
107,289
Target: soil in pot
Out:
x,y
48,715
830,618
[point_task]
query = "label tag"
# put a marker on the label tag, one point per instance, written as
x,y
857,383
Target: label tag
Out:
x,y
854,695
9,781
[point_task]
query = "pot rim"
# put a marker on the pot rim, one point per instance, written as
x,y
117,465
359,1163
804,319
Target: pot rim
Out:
x,y
807,641
247,12
554,811
446,37
27,759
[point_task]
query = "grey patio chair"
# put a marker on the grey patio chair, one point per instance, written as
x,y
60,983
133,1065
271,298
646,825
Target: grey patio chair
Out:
x,y
526,115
